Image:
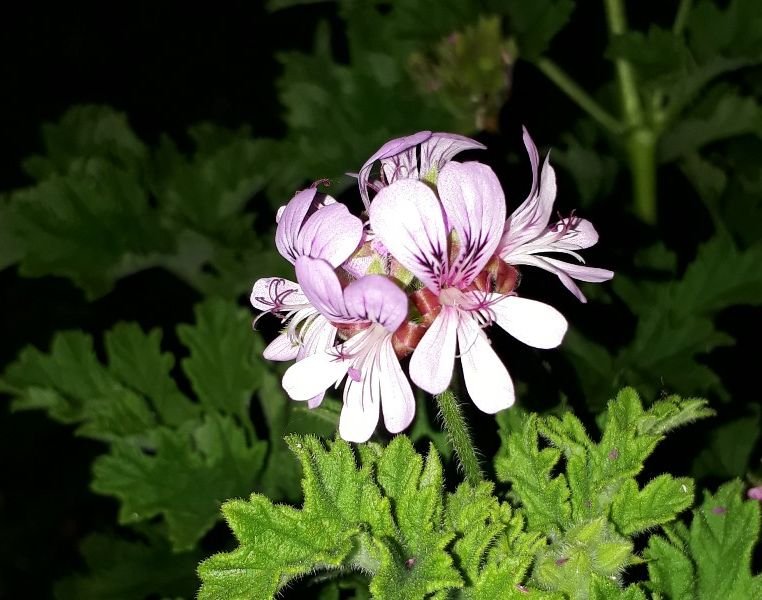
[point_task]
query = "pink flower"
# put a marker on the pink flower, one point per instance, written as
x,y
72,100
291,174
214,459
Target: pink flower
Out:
x,y
415,227
313,226
527,233
754,493
374,378
399,159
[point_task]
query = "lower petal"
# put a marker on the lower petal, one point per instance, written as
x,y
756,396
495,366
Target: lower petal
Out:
x,y
319,337
432,362
281,348
359,416
309,377
397,401
487,380
534,323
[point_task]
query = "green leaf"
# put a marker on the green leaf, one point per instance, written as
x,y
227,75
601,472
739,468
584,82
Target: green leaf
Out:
x,y
223,366
713,559
92,225
721,114
633,510
184,476
130,570
86,132
732,30
390,529
535,24
529,469
730,446
136,359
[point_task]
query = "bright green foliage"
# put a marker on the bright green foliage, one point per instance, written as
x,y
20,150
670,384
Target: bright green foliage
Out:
x,y
386,518
168,455
383,518
590,505
130,570
712,559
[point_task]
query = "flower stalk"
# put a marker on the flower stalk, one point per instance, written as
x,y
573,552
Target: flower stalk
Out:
x,y
460,438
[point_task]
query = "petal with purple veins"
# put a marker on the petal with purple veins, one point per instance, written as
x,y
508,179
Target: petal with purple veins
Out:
x,y
440,149
408,219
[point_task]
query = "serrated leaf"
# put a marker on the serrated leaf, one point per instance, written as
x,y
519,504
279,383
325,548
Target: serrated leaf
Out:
x,y
90,225
670,570
136,359
130,570
183,476
84,132
660,501
529,470
222,366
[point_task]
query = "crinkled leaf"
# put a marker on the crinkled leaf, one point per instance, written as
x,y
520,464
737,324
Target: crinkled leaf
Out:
x,y
85,132
92,225
633,510
712,559
223,366
346,520
183,476
130,570
530,469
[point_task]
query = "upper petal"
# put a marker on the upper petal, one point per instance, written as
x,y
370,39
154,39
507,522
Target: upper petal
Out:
x,y
291,218
322,288
331,233
534,323
388,150
408,219
487,380
274,293
439,149
433,359
474,203
377,299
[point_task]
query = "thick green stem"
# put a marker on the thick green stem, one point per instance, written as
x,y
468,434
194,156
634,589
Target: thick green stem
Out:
x,y
586,102
641,150
641,138
457,432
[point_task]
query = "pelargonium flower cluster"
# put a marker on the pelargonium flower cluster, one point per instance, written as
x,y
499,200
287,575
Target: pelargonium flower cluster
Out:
x,y
430,270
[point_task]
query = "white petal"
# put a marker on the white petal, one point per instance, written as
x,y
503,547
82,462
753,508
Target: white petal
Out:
x,y
359,416
487,380
309,377
281,348
397,401
432,362
276,292
319,336
534,323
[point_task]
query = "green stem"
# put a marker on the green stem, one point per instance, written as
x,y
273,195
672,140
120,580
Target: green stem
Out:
x,y
457,432
586,102
683,10
641,138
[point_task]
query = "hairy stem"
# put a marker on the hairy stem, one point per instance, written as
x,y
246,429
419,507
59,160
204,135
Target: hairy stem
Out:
x,y
586,102
641,139
460,439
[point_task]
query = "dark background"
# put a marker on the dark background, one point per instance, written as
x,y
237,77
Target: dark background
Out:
x,y
168,65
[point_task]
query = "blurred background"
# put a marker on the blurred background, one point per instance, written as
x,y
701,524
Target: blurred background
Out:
x,y
146,147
